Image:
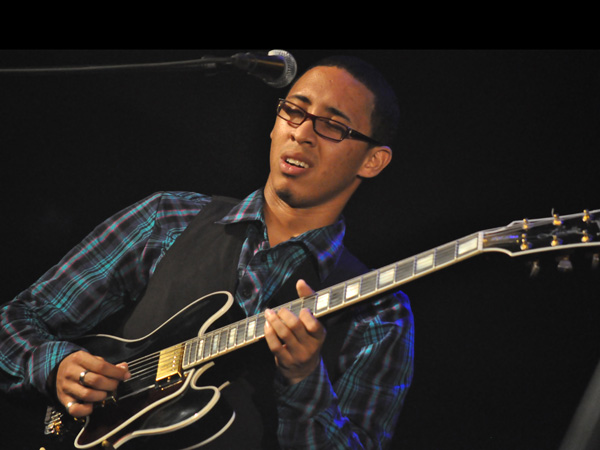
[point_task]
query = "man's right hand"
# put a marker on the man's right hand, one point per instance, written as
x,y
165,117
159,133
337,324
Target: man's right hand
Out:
x,y
78,393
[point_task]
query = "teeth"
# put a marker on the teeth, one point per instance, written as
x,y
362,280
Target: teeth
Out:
x,y
295,162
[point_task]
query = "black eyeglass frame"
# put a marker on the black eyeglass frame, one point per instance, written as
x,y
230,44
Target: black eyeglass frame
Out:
x,y
348,133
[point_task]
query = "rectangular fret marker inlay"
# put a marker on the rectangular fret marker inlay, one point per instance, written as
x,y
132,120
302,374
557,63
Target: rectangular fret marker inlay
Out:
x,y
232,336
425,262
251,328
386,277
351,291
322,301
467,246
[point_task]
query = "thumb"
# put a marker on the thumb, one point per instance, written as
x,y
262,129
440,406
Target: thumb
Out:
x,y
303,289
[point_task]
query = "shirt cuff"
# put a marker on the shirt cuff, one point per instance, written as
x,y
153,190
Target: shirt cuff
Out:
x,y
44,359
307,398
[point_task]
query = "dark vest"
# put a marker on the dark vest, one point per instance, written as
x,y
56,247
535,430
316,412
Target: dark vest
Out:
x,y
202,260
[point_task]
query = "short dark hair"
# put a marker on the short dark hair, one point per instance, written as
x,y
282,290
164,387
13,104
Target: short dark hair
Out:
x,y
386,112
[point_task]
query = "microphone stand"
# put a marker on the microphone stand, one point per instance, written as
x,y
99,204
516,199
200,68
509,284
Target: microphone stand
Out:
x,y
208,63
584,430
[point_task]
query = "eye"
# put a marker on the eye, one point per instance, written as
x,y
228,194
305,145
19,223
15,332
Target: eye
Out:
x,y
335,126
292,111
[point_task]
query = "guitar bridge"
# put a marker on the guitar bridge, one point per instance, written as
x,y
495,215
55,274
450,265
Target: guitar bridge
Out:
x,y
170,367
53,423
58,423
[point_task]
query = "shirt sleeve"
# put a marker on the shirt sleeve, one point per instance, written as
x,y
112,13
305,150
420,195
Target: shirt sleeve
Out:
x,y
361,409
111,265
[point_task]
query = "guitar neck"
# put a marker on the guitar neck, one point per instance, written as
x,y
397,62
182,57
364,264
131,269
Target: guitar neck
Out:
x,y
250,330
516,239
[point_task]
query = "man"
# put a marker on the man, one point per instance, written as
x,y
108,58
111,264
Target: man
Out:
x,y
340,386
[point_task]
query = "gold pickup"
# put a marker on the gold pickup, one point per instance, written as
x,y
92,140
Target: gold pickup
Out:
x,y
170,363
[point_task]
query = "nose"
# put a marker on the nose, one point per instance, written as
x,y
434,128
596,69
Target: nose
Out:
x,y
304,133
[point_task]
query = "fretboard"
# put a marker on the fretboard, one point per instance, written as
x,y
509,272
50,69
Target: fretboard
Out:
x,y
250,330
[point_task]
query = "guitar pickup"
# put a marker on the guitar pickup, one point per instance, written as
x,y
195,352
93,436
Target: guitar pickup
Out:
x,y
170,367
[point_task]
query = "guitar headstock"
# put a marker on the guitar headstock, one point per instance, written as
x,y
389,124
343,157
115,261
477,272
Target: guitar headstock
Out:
x,y
554,233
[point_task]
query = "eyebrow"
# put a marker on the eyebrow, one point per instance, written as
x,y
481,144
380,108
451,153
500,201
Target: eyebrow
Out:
x,y
331,109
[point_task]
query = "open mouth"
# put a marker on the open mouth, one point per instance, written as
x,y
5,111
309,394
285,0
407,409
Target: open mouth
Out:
x,y
295,162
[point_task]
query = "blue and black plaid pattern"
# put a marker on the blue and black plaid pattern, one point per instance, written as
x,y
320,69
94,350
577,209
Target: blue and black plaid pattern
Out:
x,y
118,258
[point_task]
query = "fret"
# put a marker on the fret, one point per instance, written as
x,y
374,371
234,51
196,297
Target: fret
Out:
x,y
260,325
207,341
468,245
251,329
424,262
186,353
190,355
369,283
231,340
386,277
404,270
198,354
352,290
223,340
310,302
445,254
336,296
295,307
322,302
215,344
241,331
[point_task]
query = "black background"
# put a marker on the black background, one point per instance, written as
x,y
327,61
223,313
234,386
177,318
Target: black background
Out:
x,y
486,137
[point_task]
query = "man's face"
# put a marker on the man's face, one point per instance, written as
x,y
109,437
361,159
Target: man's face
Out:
x,y
308,170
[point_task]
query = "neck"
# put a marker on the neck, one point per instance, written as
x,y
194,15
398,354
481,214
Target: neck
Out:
x,y
285,221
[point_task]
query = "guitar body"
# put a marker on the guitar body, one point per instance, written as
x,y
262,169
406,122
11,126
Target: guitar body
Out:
x,y
147,409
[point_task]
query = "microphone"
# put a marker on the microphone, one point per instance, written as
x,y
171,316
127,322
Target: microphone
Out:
x,y
278,68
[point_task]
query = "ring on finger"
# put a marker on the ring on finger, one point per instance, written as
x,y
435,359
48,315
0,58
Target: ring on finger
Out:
x,y
69,405
82,378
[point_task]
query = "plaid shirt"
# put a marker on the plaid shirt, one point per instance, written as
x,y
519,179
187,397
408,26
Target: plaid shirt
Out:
x,y
115,262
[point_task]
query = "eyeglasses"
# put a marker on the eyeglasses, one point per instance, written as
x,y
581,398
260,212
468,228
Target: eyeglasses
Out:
x,y
323,126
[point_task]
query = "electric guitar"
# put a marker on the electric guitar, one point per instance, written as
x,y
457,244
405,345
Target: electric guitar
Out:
x,y
164,394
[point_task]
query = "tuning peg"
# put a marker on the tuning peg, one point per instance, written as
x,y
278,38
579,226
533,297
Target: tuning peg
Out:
x,y
525,224
555,241
535,269
557,220
565,265
586,216
524,243
586,237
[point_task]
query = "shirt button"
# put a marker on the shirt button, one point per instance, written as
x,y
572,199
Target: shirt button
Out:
x,y
246,291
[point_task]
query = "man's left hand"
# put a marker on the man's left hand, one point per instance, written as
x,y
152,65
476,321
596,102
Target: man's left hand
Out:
x,y
295,341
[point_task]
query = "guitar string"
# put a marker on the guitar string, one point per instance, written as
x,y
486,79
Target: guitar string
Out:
x,y
144,366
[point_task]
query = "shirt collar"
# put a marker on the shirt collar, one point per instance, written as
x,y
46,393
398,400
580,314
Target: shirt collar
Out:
x,y
325,244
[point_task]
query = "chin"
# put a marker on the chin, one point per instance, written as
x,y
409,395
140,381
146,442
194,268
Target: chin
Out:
x,y
286,196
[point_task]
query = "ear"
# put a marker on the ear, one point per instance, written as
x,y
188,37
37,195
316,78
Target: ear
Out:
x,y
377,159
